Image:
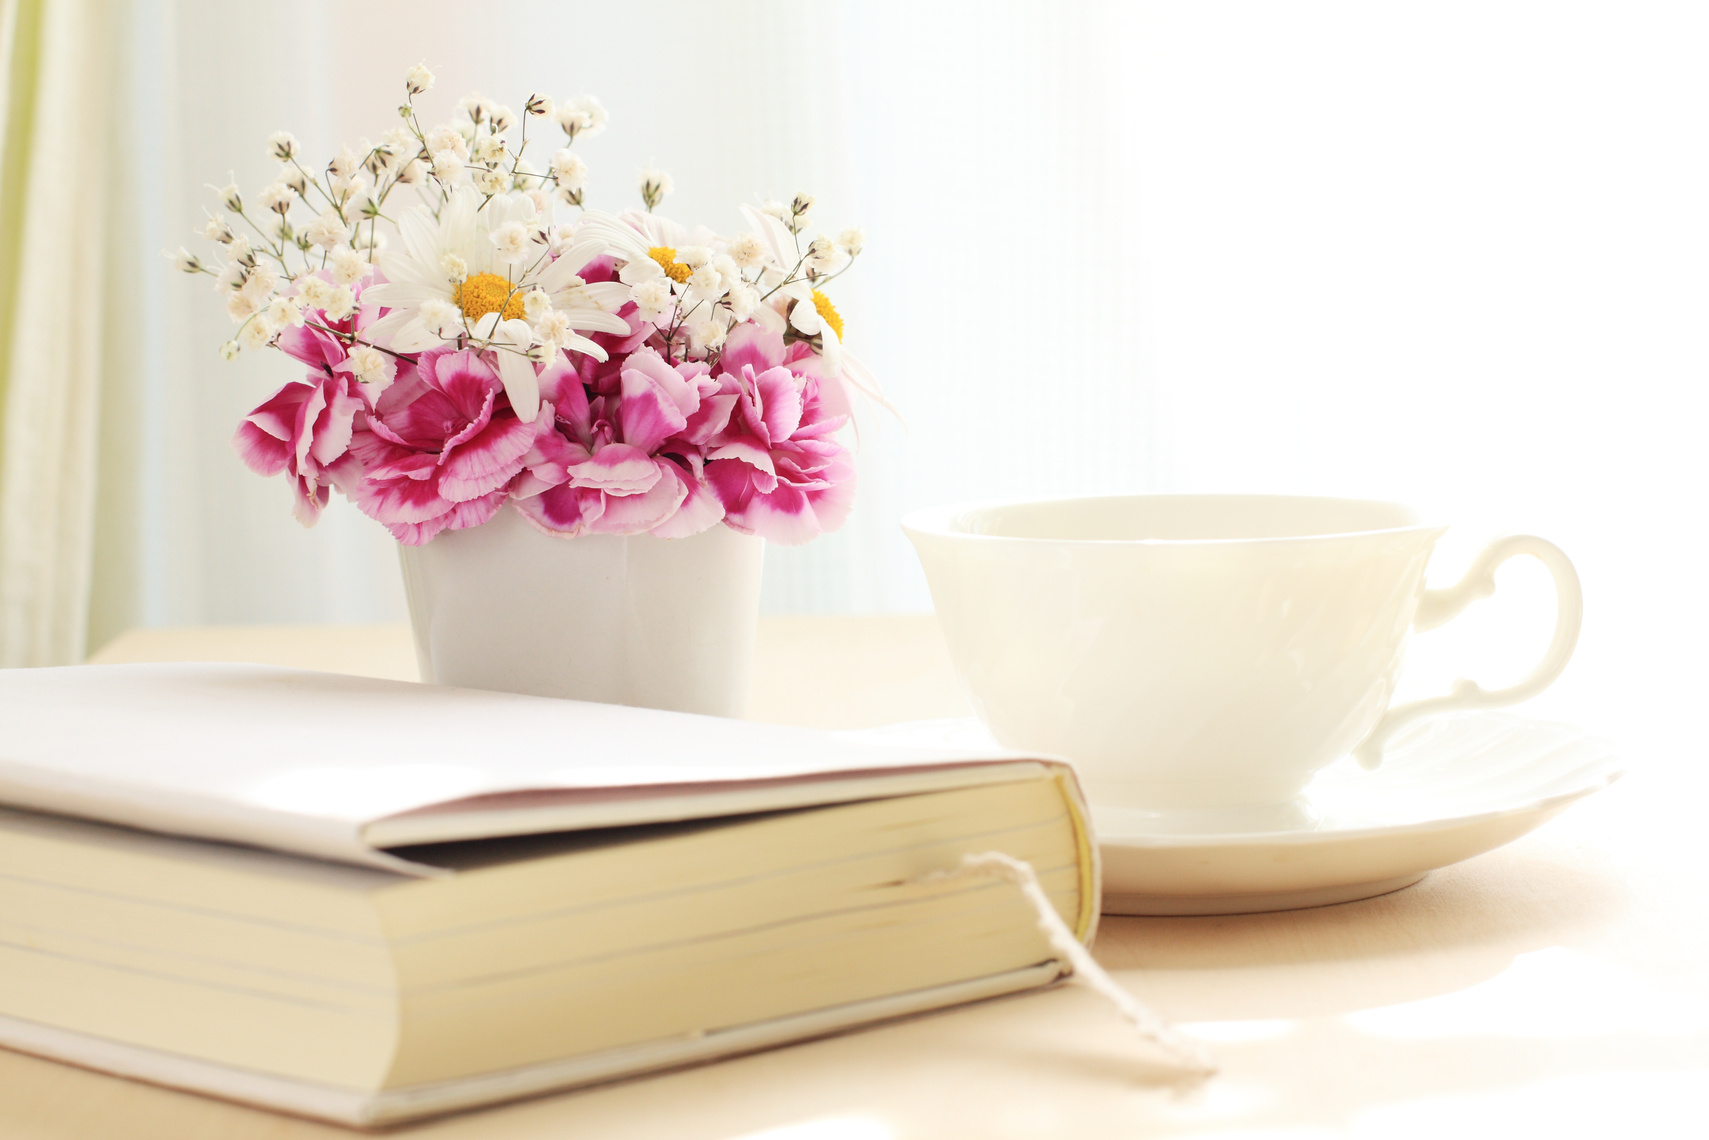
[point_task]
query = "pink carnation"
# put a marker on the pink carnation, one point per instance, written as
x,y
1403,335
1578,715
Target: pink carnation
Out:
x,y
628,462
304,429
775,466
440,448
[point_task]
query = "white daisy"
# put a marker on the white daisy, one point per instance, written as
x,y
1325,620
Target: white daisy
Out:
x,y
420,272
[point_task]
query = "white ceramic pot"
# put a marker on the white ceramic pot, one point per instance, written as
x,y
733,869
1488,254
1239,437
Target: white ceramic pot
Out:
x,y
664,623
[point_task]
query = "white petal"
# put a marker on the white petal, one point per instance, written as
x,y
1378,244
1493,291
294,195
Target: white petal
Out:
x,y
832,349
420,234
521,384
608,295
517,333
393,294
622,240
806,318
770,319
414,337
595,320
571,262
777,236
584,345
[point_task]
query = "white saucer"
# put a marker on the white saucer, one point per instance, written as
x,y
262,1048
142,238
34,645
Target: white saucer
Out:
x,y
1450,787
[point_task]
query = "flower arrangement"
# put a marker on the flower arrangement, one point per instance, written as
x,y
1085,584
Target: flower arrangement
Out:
x,y
616,374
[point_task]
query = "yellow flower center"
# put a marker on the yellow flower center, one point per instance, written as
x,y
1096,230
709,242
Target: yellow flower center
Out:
x,y
486,293
828,313
666,257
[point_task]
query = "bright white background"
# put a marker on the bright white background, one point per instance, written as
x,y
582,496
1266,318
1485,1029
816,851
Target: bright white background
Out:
x,y
1454,254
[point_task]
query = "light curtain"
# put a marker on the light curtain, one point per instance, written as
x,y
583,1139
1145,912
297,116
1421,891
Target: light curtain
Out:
x,y
53,252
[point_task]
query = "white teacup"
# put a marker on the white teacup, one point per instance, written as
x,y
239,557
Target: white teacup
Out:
x,y
1203,651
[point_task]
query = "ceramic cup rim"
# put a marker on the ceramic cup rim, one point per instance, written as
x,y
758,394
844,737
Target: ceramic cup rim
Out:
x,y
940,521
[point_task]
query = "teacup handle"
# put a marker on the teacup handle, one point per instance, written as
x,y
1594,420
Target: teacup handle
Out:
x,y
1439,606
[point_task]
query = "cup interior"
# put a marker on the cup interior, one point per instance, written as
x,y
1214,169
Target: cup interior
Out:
x,y
1175,518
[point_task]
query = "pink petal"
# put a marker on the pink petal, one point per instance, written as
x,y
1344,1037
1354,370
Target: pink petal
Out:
x,y
649,413
780,402
400,500
632,514
486,462
261,451
562,510
700,510
749,344
617,468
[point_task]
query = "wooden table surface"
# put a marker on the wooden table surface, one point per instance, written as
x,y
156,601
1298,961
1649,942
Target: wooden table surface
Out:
x,y
1557,987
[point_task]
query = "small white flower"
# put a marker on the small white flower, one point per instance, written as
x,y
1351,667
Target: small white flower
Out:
x,y
258,333
743,301
655,186
277,196
573,119
693,256
775,208
653,299
447,166
340,304
283,312
327,230
569,169
488,182
238,250
477,106
542,201
488,149
185,262
726,267
536,304
349,266
231,199
511,241
230,350
418,79
823,255
705,335
853,240
449,138
538,105
707,282
746,250
412,173
371,366
401,140
293,177
352,191
502,118
315,292
377,160
282,145
454,266
441,317
241,306
230,277
553,328
344,165
260,284
595,111
801,206
218,229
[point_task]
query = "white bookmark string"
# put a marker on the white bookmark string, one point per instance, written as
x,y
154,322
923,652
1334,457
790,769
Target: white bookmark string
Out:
x,y
1081,964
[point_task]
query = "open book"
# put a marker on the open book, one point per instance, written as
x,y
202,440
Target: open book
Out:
x,y
368,900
